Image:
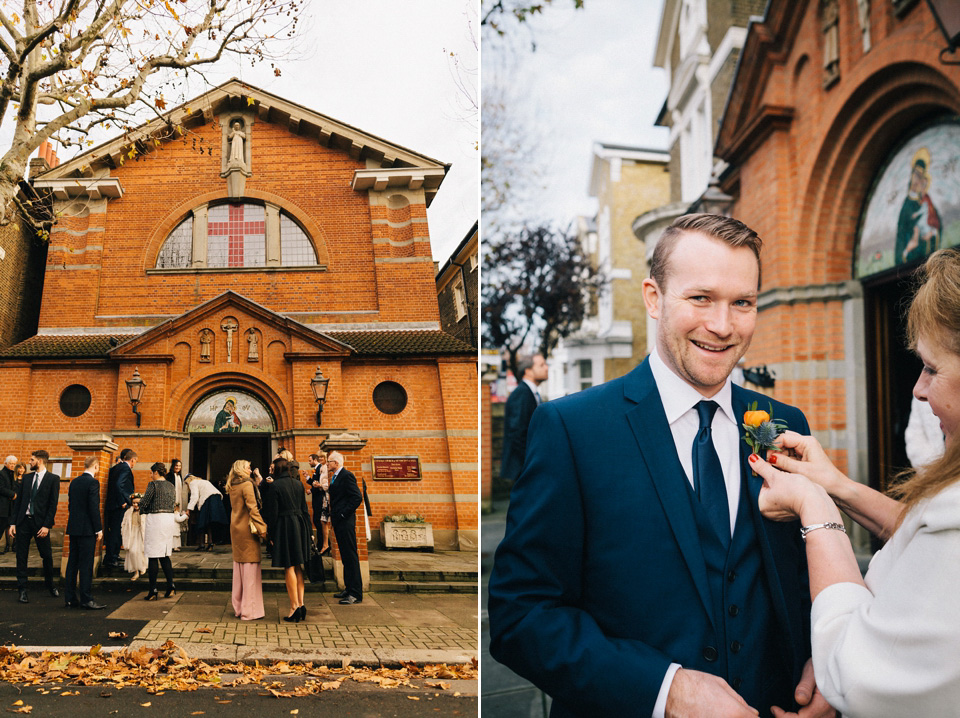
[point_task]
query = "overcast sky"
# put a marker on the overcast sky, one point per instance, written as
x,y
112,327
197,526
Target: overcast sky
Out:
x,y
590,79
385,67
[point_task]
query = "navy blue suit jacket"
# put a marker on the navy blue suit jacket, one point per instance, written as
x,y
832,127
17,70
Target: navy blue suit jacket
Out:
x,y
83,506
516,420
600,581
119,486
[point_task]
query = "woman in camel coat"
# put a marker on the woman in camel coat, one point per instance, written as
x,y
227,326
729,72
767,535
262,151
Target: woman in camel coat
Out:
x,y
247,579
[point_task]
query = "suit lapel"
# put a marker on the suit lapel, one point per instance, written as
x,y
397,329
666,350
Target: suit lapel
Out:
x,y
754,483
652,432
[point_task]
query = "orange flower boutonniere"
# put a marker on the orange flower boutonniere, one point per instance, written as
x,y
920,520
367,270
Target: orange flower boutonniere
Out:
x,y
761,428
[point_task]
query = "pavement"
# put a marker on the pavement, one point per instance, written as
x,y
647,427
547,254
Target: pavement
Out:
x,y
503,694
387,628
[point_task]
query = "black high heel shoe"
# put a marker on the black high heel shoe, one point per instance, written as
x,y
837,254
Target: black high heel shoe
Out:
x,y
293,617
302,612
152,595
172,591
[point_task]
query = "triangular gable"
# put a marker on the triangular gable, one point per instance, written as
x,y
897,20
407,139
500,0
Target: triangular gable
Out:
x,y
747,119
143,344
235,95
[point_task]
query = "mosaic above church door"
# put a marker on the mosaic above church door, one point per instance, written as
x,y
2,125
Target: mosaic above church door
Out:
x,y
230,412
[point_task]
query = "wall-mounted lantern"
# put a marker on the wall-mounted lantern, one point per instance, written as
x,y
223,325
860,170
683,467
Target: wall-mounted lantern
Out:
x,y
135,389
319,384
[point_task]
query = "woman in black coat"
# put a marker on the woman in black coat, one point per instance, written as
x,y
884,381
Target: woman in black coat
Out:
x,y
291,533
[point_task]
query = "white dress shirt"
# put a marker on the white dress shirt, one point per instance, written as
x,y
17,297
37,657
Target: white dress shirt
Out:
x,y
680,401
534,389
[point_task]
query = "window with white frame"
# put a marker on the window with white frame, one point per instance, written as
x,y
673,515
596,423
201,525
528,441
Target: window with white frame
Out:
x,y
459,298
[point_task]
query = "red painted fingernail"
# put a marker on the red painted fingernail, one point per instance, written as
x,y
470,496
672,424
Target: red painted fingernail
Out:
x,y
773,459
753,458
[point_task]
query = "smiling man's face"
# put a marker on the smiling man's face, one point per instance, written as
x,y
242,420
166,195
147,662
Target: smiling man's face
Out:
x,y
707,312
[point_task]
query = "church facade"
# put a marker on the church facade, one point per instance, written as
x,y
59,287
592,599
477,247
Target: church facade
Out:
x,y
213,273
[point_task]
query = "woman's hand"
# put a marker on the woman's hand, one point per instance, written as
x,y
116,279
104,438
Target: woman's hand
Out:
x,y
804,455
785,497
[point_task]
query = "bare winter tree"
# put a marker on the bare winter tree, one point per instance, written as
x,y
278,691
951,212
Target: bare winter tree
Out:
x,y
69,68
537,287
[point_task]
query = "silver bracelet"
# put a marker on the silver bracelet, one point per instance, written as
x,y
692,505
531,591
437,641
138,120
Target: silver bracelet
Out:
x,y
804,530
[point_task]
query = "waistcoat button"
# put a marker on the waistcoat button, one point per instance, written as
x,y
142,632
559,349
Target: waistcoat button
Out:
x,y
736,683
736,646
734,610
731,575
710,654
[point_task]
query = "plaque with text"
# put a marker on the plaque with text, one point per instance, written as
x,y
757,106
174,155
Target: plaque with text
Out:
x,y
393,468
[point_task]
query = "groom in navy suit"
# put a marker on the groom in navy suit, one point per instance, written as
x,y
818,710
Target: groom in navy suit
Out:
x,y
637,576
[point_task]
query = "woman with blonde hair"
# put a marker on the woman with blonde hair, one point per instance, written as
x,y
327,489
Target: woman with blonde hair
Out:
x,y
887,645
244,519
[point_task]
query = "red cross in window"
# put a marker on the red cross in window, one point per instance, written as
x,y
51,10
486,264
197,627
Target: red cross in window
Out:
x,y
236,229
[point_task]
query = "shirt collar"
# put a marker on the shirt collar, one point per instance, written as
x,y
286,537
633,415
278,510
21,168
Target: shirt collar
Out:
x,y
533,386
678,397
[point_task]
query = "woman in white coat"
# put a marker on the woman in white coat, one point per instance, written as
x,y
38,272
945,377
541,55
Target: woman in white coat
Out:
x,y
887,645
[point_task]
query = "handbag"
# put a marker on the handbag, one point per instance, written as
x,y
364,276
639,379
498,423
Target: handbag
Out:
x,y
315,570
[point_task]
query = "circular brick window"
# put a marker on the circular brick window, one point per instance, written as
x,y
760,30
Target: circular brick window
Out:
x,y
389,397
75,400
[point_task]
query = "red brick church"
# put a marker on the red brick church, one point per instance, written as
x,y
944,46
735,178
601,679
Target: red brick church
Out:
x,y
246,249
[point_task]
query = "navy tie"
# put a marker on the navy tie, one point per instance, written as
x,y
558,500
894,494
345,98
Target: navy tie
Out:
x,y
708,475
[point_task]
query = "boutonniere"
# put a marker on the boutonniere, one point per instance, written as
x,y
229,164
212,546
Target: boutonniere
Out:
x,y
761,428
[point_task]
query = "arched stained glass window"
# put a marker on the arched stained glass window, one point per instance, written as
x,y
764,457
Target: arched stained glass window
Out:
x,y
236,236
178,249
296,250
239,234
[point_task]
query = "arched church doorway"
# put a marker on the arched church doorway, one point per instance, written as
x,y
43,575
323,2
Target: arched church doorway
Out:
x,y
912,210
227,425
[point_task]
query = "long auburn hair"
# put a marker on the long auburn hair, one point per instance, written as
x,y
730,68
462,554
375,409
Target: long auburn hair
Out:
x,y
934,315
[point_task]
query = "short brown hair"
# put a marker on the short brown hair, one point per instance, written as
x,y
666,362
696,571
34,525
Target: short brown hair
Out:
x,y
90,461
727,229
41,454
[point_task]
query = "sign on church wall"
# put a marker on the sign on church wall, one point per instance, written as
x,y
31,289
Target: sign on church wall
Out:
x,y
230,412
914,206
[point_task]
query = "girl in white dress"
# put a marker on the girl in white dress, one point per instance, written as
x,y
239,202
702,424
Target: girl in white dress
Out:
x,y
132,532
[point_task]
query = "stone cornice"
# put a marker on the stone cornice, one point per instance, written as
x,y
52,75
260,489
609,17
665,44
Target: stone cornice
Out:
x,y
75,187
837,292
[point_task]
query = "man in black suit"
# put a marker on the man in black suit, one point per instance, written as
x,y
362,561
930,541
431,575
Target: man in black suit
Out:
x,y
345,497
119,488
34,511
83,528
523,400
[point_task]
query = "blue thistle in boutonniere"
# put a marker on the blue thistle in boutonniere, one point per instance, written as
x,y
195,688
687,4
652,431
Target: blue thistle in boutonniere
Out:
x,y
761,429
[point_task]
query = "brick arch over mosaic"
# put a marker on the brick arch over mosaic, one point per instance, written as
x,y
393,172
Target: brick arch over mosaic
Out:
x,y
179,213
880,112
185,399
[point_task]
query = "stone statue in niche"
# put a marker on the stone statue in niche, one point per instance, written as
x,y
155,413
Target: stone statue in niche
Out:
x,y
236,136
831,41
229,326
863,13
253,340
206,337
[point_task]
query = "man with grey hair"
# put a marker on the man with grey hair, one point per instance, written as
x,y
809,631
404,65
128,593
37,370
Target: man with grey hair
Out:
x,y
532,371
345,498
7,494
